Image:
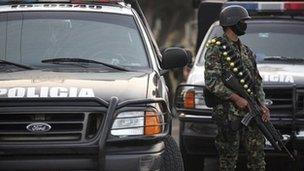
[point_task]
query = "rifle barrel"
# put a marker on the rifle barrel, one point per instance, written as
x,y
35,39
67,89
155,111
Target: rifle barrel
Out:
x,y
287,151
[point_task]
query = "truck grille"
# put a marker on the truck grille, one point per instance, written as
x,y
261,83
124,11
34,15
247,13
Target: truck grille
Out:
x,y
286,100
300,101
282,99
80,126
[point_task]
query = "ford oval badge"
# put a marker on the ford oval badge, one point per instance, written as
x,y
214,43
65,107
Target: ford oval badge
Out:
x,y
268,102
38,127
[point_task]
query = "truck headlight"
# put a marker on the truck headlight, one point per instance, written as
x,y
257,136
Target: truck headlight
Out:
x,y
137,123
194,99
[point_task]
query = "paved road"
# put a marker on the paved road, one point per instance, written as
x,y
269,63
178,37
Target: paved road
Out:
x,y
175,130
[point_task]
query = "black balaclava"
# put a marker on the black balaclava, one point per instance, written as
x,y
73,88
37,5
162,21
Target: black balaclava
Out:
x,y
240,28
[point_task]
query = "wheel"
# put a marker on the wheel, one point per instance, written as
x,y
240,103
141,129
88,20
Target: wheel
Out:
x,y
299,155
191,162
172,158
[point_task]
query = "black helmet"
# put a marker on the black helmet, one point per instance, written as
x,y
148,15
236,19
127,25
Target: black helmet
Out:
x,y
231,15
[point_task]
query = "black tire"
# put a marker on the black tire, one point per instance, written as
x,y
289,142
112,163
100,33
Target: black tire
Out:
x,y
172,158
299,161
192,162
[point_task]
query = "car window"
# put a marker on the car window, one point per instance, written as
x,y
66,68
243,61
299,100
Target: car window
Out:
x,y
30,37
271,39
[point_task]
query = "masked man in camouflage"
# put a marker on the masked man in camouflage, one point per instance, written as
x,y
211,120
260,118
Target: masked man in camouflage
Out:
x,y
232,107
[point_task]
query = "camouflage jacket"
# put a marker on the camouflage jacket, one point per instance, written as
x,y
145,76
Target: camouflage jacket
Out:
x,y
214,69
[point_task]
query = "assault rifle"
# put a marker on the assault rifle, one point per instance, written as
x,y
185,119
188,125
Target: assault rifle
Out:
x,y
255,112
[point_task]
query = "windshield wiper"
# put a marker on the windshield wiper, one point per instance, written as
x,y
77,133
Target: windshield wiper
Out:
x,y
283,58
4,62
81,60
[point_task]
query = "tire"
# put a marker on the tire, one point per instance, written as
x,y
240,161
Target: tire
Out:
x,y
300,159
193,163
172,158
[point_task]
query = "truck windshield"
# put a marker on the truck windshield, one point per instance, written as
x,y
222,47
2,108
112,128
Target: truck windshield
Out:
x,y
31,37
281,42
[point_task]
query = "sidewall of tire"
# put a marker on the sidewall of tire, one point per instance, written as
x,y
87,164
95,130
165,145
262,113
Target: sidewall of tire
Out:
x,y
172,158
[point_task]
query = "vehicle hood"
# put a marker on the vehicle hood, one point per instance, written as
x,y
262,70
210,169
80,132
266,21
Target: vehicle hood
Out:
x,y
48,84
271,74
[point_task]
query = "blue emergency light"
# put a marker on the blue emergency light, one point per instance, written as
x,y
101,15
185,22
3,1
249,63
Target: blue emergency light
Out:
x,y
269,7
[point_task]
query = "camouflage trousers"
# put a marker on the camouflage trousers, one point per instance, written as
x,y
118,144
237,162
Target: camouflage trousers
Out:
x,y
228,142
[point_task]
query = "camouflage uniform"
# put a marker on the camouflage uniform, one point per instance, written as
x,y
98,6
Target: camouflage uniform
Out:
x,y
230,136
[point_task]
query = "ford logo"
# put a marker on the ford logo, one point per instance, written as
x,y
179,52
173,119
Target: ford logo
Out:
x,y
268,102
38,127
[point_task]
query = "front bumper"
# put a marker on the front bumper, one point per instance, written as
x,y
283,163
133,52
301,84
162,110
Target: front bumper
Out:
x,y
117,157
100,152
198,134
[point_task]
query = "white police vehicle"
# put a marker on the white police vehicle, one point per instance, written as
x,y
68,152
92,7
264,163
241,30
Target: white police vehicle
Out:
x,y
276,34
82,88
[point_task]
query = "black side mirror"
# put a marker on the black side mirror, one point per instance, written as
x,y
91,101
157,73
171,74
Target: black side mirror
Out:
x,y
190,59
175,57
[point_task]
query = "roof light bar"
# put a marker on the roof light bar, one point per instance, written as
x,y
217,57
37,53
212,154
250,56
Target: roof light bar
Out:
x,y
96,1
269,7
58,1
250,6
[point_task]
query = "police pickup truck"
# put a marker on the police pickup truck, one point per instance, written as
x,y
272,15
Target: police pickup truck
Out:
x,y
82,88
276,35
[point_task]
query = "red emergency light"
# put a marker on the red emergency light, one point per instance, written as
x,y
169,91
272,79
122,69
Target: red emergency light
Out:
x,y
294,6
